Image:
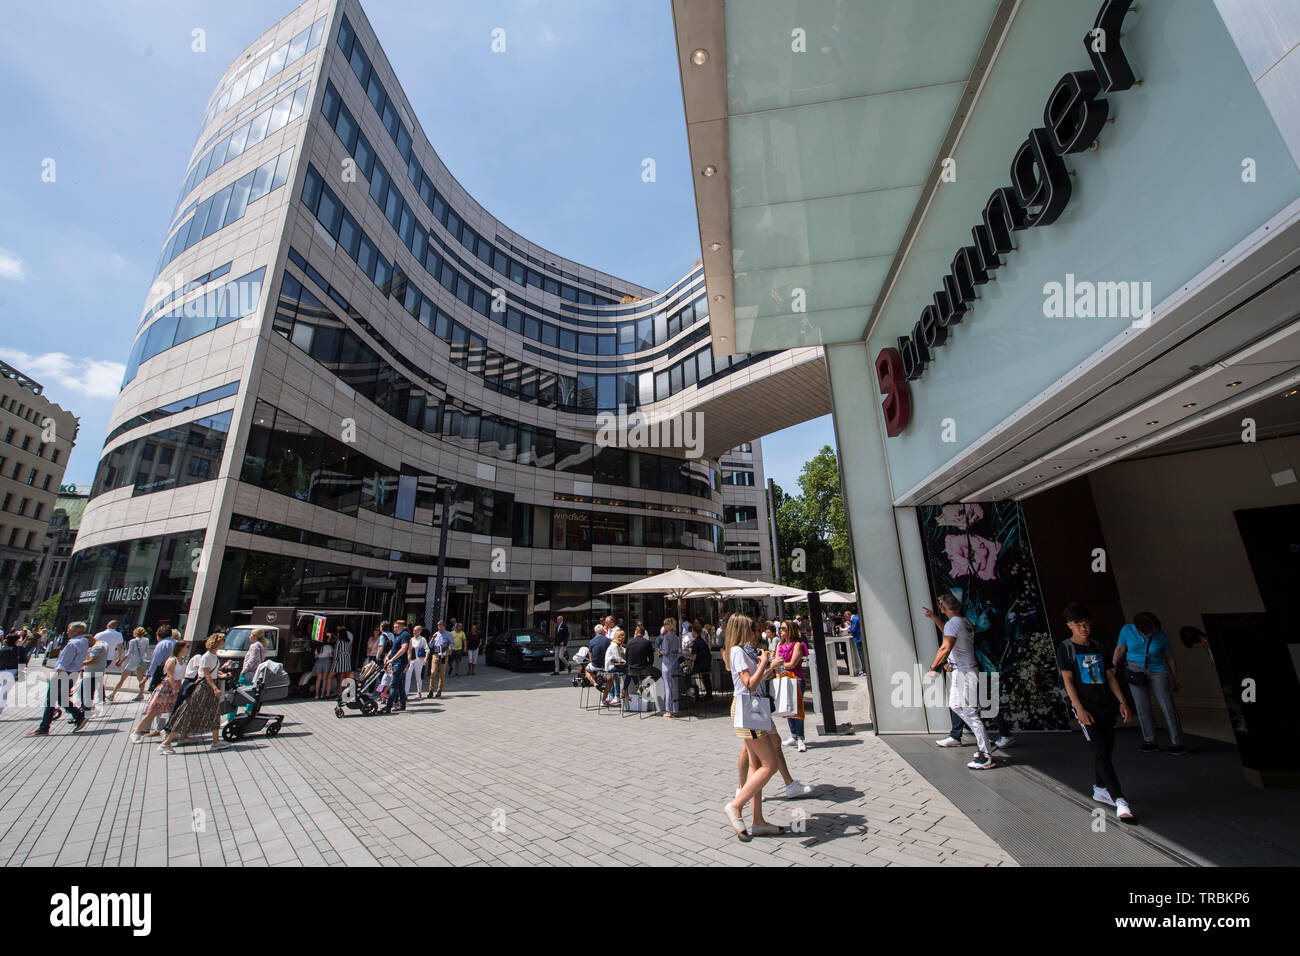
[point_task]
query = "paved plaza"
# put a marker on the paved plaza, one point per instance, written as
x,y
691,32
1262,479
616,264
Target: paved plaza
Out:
x,y
505,769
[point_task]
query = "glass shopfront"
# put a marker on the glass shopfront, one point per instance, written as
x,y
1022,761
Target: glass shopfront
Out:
x,y
140,583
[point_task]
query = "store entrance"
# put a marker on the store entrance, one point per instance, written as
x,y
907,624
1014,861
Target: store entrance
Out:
x,y
1203,531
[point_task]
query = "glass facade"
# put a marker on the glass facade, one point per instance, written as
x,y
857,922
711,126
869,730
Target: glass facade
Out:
x,y
500,420
146,582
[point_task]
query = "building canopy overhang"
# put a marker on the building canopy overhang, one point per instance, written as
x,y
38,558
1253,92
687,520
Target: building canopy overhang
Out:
x,y
842,154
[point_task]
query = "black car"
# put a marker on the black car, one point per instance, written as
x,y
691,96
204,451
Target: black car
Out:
x,y
520,649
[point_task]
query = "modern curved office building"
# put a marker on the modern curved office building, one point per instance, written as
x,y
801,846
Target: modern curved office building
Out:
x,y
339,339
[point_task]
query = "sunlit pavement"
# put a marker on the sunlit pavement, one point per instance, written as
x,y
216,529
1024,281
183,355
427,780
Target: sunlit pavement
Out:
x,y
505,768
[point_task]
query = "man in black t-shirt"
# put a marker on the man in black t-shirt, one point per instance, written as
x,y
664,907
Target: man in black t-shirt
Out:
x,y
1095,694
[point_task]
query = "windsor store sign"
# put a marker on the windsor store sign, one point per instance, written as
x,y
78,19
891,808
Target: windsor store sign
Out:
x,y
1039,192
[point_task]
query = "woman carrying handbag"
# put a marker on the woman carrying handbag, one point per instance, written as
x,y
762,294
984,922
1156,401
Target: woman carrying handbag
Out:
x,y
791,650
751,714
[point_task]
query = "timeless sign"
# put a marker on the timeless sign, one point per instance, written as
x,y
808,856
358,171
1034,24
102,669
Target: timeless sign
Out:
x,y
1038,194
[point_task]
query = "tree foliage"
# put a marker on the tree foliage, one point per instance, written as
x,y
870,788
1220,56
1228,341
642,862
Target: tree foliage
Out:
x,y
814,521
48,610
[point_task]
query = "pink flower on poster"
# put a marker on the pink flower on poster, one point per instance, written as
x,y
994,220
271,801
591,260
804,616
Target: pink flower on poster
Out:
x,y
972,554
959,516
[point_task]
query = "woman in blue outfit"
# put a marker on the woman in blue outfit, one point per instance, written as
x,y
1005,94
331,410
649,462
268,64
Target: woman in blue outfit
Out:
x,y
1148,660
670,650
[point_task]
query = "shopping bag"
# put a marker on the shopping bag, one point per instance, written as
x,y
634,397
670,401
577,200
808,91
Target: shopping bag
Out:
x,y
786,693
753,712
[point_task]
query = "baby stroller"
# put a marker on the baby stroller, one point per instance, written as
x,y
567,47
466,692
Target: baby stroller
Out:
x,y
360,692
578,667
252,720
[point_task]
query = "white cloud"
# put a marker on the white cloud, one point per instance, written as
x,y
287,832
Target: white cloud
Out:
x,y
93,378
11,267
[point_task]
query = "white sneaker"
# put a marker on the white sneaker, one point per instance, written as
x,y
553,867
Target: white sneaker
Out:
x,y
949,742
1002,743
797,789
1123,812
136,738
802,747
1102,795
788,742
982,761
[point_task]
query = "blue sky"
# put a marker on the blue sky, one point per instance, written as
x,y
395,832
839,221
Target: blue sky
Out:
x,y
549,136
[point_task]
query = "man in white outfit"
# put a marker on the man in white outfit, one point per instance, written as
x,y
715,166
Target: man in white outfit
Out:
x,y
958,649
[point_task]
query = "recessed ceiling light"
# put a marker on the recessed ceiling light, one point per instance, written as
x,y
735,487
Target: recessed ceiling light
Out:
x,y
715,246
1037,476
1057,467
700,57
1154,421
1093,451
709,170
1290,393
719,297
1190,405
1120,437
1232,385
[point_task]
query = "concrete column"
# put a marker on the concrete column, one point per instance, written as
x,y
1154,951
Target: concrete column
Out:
x,y
889,565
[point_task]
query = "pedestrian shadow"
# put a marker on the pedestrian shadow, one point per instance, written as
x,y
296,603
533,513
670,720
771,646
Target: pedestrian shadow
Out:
x,y
836,825
835,794
834,742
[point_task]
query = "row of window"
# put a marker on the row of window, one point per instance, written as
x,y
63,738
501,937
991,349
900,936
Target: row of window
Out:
x,y
401,136
302,318
32,416
21,510
223,305
173,408
172,458
32,473
13,543
186,289
288,83
227,206
741,516
11,438
289,53
745,478
424,245
289,457
271,120
469,350
283,532
744,559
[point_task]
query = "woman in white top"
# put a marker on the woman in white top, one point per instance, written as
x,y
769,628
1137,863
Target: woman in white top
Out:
x,y
137,660
200,712
615,667
415,666
750,667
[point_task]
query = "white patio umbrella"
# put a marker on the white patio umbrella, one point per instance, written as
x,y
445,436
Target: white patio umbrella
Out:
x,y
838,597
768,589
680,584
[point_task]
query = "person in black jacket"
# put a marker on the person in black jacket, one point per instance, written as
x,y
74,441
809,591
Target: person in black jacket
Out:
x,y
561,644
702,660
10,658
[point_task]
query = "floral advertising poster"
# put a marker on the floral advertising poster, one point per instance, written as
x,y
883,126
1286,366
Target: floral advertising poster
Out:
x,y
980,553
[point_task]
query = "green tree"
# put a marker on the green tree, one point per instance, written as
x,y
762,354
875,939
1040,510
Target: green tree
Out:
x,y
48,610
814,522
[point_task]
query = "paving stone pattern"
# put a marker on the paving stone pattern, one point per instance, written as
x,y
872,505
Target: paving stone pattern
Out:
x,y
505,769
